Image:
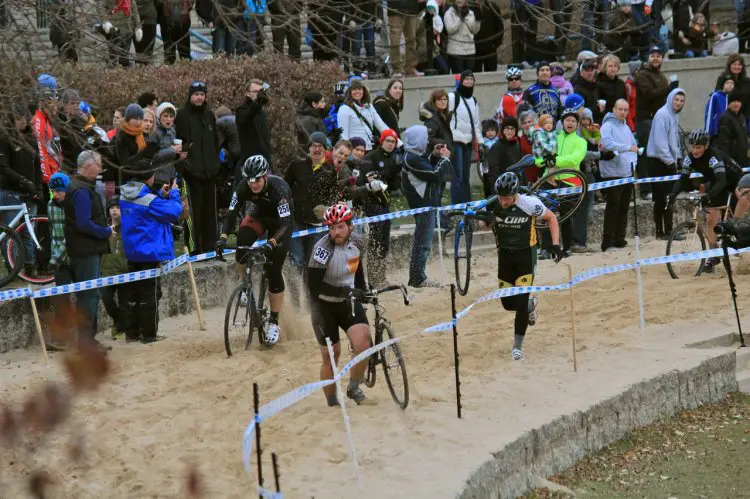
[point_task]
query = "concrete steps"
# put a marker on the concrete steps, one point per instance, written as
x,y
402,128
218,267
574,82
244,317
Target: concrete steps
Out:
x,y
743,370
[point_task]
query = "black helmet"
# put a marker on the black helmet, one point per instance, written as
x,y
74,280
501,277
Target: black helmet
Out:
x,y
698,138
507,184
255,167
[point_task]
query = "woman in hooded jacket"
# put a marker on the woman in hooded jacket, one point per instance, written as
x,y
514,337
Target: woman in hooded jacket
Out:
x,y
390,105
357,117
437,118
736,69
466,130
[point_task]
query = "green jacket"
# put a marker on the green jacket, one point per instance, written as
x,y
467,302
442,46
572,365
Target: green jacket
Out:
x,y
571,150
115,262
126,25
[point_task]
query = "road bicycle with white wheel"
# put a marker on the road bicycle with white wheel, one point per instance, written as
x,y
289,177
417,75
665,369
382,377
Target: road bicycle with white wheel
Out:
x,y
14,239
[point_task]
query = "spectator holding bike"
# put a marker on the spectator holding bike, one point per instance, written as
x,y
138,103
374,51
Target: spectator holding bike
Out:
x,y
147,215
86,236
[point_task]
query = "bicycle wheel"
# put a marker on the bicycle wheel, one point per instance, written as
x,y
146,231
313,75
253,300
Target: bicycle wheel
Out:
x,y
262,310
238,324
9,268
563,204
42,231
372,369
687,237
462,256
395,369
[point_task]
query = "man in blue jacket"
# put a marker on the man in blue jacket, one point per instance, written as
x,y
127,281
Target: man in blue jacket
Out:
x,y
147,215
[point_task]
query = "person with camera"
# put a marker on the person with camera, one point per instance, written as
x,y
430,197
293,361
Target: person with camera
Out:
x,y
146,218
252,125
721,176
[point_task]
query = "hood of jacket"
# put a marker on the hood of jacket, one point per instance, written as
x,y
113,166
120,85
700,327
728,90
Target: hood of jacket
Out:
x,y
426,111
668,105
305,109
612,118
132,190
415,139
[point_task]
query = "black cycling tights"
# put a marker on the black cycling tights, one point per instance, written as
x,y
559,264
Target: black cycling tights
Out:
x,y
519,303
516,268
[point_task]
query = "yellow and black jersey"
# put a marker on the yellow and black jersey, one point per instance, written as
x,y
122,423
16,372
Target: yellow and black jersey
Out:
x,y
514,227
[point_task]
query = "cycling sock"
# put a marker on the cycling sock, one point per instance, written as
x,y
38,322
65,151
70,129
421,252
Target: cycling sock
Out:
x,y
518,341
274,318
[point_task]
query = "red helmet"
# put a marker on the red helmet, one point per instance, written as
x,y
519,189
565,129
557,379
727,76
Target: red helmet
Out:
x,y
339,212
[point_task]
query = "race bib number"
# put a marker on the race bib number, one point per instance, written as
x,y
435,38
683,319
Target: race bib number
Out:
x,y
321,255
233,203
284,210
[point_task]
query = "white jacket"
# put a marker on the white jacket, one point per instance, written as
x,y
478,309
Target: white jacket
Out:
x,y
352,126
460,32
463,113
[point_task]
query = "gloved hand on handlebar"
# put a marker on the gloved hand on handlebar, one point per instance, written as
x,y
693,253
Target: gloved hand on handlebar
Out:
x,y
221,244
268,248
557,253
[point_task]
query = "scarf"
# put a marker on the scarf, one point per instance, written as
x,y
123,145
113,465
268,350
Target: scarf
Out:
x,y
122,6
136,132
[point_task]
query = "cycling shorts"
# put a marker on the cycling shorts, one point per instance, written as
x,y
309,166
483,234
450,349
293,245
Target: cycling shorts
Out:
x,y
721,199
516,267
327,317
250,231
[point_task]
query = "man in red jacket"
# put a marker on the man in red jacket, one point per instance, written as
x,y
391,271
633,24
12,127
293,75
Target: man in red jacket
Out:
x,y
47,138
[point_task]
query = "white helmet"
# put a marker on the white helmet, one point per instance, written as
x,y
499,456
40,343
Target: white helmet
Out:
x,y
272,334
513,72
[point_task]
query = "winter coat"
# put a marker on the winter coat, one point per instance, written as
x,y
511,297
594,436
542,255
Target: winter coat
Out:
x,y
114,12
228,136
502,155
163,138
72,140
491,30
311,187
354,126
741,85
438,129
461,30
715,107
19,164
563,86
571,150
465,124
309,121
545,99
610,89
385,167
732,136
127,151
590,93
652,88
617,137
388,111
664,139
63,22
196,126
114,262
86,229
253,129
255,8
147,11
421,174
146,222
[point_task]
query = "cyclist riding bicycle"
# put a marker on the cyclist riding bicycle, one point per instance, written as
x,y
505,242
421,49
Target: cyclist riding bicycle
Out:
x,y
335,278
270,211
514,217
721,175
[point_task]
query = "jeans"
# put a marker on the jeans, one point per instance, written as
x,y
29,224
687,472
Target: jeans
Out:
x,y
11,198
287,27
365,33
84,269
581,219
595,15
461,159
246,37
224,41
691,54
420,247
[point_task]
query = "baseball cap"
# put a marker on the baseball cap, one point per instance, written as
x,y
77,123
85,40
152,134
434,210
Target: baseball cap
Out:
x,y
655,48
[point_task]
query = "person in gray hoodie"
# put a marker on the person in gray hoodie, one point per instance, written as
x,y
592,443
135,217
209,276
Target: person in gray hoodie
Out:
x,y
664,156
618,159
421,176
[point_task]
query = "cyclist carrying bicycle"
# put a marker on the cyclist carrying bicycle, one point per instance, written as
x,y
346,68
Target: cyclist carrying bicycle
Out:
x,y
335,279
270,211
513,223
721,175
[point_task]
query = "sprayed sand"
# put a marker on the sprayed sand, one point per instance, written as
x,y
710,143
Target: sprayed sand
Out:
x,y
181,401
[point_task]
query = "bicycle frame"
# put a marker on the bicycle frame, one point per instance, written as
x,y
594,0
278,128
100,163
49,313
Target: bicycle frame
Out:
x,y
23,212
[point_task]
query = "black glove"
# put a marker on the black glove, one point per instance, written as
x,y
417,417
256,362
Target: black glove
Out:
x,y
705,201
268,248
671,204
262,98
221,244
557,252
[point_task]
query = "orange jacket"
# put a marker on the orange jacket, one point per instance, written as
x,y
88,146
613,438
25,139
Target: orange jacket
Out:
x,y
48,142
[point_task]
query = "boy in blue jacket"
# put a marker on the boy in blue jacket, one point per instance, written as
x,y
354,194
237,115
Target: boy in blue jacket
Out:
x,y
147,215
717,105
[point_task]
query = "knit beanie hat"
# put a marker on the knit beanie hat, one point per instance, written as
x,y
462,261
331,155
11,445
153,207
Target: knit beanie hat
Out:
x,y
197,86
734,95
510,121
133,112
358,141
319,138
388,133
165,106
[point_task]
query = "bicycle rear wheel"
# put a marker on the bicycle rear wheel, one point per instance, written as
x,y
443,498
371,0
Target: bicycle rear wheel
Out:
x,y
687,237
395,369
561,198
9,268
462,256
42,231
238,321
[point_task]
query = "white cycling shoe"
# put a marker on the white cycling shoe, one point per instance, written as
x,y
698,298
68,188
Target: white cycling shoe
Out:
x,y
533,310
272,334
516,354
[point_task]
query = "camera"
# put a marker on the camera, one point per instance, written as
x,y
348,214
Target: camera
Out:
x,y
736,233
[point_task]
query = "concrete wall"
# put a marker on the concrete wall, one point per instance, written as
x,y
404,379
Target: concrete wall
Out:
x,y
696,76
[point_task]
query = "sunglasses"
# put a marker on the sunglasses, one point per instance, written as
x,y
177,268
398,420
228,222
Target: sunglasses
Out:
x,y
515,78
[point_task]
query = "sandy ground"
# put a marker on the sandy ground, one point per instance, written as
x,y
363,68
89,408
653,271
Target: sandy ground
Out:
x,y
182,402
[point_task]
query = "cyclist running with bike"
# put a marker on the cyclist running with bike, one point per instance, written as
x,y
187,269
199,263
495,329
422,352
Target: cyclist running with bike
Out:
x,y
721,175
513,222
336,279
270,211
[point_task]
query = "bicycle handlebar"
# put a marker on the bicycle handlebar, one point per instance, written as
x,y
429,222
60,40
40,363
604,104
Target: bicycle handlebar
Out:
x,y
394,287
250,249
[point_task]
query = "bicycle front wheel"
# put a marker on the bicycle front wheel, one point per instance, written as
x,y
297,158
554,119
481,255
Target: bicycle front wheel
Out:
x,y
41,229
395,369
687,237
563,198
9,268
462,256
238,324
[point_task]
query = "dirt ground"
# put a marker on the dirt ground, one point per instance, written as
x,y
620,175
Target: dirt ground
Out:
x,y
181,402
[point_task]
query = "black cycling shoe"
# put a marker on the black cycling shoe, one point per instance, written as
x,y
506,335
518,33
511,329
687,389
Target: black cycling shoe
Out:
x,y
710,266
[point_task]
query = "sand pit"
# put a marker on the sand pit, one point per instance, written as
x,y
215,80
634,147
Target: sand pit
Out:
x,y
181,401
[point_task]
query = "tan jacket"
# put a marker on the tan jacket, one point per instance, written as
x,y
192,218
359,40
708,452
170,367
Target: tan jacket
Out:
x,y
460,32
